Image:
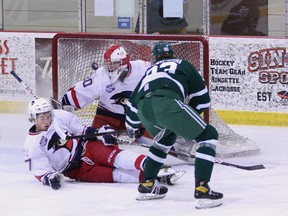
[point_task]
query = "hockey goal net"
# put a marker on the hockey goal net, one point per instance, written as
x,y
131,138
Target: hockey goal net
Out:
x,y
77,55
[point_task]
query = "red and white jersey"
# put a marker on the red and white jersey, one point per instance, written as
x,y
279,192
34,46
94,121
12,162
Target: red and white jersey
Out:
x,y
111,96
41,149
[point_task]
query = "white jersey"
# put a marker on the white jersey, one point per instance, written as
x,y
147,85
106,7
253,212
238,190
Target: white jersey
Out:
x,y
41,149
110,96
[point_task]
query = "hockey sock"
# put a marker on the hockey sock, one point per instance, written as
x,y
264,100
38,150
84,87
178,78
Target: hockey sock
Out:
x,y
151,169
205,157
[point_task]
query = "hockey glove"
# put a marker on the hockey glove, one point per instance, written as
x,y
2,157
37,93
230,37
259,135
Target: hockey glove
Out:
x,y
61,142
54,180
135,132
91,130
107,139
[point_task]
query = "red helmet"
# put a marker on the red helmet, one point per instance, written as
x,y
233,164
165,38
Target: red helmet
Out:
x,y
116,61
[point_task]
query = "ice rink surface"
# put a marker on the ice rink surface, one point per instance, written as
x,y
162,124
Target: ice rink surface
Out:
x,y
261,192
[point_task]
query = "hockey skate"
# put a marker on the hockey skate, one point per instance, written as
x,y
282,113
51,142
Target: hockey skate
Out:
x,y
169,175
206,198
151,189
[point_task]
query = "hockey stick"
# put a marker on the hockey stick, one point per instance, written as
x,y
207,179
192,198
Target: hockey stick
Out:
x,y
58,130
249,167
28,89
96,134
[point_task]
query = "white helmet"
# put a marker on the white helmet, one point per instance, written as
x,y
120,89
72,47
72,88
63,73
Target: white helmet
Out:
x,y
116,62
37,106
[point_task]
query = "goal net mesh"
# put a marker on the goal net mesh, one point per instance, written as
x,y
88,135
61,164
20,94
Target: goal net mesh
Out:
x,y
76,56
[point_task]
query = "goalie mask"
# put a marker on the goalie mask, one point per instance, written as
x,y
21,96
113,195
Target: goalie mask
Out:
x,y
38,106
162,51
116,61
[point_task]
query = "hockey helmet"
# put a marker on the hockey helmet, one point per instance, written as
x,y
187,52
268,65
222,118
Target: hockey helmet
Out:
x,y
116,61
162,50
38,106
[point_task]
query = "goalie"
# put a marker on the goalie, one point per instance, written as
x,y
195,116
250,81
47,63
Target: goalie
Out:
x,y
112,86
51,157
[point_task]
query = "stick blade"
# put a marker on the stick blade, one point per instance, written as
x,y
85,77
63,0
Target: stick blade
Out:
x,y
249,167
254,167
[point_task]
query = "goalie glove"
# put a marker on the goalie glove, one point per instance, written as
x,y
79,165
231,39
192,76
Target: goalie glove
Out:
x,y
107,139
54,180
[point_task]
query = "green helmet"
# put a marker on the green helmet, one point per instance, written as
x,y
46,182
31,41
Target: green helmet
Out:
x,y
162,50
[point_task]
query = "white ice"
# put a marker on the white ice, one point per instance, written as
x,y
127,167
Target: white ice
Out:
x,y
262,192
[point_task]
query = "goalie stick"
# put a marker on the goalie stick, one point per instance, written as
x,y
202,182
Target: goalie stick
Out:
x,y
248,167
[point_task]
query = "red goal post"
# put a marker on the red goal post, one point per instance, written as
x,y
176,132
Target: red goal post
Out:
x,y
77,55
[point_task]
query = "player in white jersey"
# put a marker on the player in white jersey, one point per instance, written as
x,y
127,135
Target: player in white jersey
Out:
x,y
51,157
112,85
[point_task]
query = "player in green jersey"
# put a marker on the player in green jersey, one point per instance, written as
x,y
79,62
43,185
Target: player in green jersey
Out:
x,y
168,101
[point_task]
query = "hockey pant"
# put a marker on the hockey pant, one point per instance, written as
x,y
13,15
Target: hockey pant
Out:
x,y
171,117
108,164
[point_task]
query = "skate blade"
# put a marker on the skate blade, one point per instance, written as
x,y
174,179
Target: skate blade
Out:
x,y
176,177
149,196
166,171
208,203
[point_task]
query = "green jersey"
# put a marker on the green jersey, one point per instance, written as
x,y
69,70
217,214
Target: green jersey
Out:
x,y
179,77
